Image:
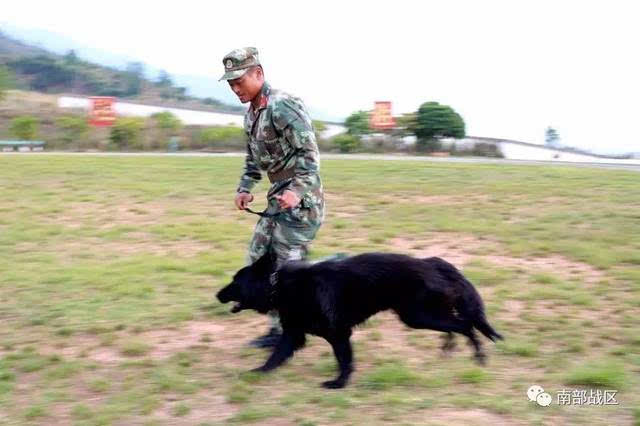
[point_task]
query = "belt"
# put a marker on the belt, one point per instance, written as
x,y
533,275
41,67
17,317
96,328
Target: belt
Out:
x,y
281,175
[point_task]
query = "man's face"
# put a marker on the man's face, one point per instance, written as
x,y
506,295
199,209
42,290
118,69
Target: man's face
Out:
x,y
248,86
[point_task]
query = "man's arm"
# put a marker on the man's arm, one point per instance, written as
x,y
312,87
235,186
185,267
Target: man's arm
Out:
x,y
294,122
301,136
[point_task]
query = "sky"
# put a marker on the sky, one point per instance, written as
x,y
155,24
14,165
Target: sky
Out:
x,y
510,68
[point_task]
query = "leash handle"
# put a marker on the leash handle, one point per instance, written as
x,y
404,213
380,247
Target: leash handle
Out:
x,y
262,213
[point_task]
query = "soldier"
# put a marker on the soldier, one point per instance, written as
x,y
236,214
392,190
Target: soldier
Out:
x,y
281,141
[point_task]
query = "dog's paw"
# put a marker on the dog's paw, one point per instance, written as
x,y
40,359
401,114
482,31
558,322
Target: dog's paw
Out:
x,y
446,354
481,358
448,349
259,370
334,384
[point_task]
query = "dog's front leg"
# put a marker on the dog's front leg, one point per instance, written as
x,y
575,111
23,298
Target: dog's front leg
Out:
x,y
344,354
289,342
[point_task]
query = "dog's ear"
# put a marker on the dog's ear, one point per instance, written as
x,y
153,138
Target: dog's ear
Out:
x,y
266,263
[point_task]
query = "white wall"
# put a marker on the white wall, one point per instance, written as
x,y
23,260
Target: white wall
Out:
x,y
333,130
521,152
192,117
200,118
516,151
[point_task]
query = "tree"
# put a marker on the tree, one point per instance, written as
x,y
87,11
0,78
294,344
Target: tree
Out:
x,y
551,137
24,127
6,81
164,80
70,58
134,77
434,121
181,93
319,126
358,123
406,123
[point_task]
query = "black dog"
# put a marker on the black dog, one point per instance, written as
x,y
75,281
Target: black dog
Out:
x,y
328,298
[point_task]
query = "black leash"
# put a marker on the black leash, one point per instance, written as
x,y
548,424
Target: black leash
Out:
x,y
263,213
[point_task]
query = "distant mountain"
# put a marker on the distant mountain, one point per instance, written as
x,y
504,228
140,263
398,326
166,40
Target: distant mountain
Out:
x,y
42,42
56,69
39,41
13,48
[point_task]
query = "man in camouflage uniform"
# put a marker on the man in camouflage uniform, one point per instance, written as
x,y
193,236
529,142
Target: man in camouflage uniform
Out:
x,y
281,141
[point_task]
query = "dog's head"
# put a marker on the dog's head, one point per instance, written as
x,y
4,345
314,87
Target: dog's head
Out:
x,y
251,288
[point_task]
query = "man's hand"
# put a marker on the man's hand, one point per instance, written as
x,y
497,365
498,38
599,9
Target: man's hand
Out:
x,y
288,199
243,199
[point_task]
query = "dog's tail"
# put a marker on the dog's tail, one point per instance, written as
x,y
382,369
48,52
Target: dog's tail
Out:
x,y
469,303
480,322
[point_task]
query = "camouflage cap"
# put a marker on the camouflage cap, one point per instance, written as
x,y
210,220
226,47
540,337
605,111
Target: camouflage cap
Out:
x,y
238,61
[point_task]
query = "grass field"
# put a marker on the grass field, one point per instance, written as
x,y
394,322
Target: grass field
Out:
x,y
108,266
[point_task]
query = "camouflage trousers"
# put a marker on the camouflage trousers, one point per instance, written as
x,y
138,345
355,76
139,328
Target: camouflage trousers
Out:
x,y
287,235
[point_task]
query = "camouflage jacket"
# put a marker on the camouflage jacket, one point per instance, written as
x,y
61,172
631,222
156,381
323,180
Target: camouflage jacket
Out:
x,y
282,143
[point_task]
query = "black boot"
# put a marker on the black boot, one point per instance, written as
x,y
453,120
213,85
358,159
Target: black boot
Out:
x,y
269,340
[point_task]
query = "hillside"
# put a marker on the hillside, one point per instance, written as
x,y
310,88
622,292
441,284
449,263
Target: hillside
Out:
x,y
37,69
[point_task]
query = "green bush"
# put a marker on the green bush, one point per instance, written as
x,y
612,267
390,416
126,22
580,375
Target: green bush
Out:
x,y
346,142
24,127
125,133
167,121
74,128
428,145
221,137
486,150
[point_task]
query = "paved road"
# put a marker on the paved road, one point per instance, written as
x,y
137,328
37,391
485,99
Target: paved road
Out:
x,y
621,165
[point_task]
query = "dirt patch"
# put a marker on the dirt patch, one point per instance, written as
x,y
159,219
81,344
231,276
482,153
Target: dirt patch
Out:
x,y
460,249
110,215
434,199
148,244
457,249
139,243
202,409
552,264
169,342
449,416
512,310
163,343
340,207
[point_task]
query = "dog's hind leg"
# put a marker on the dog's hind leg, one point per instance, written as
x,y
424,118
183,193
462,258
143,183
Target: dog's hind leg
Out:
x,y
480,356
289,343
449,343
449,325
344,354
418,319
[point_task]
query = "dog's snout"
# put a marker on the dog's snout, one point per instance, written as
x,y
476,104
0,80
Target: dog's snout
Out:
x,y
228,293
223,296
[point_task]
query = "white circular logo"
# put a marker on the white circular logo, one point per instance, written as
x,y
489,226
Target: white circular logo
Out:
x,y
544,399
229,63
533,392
